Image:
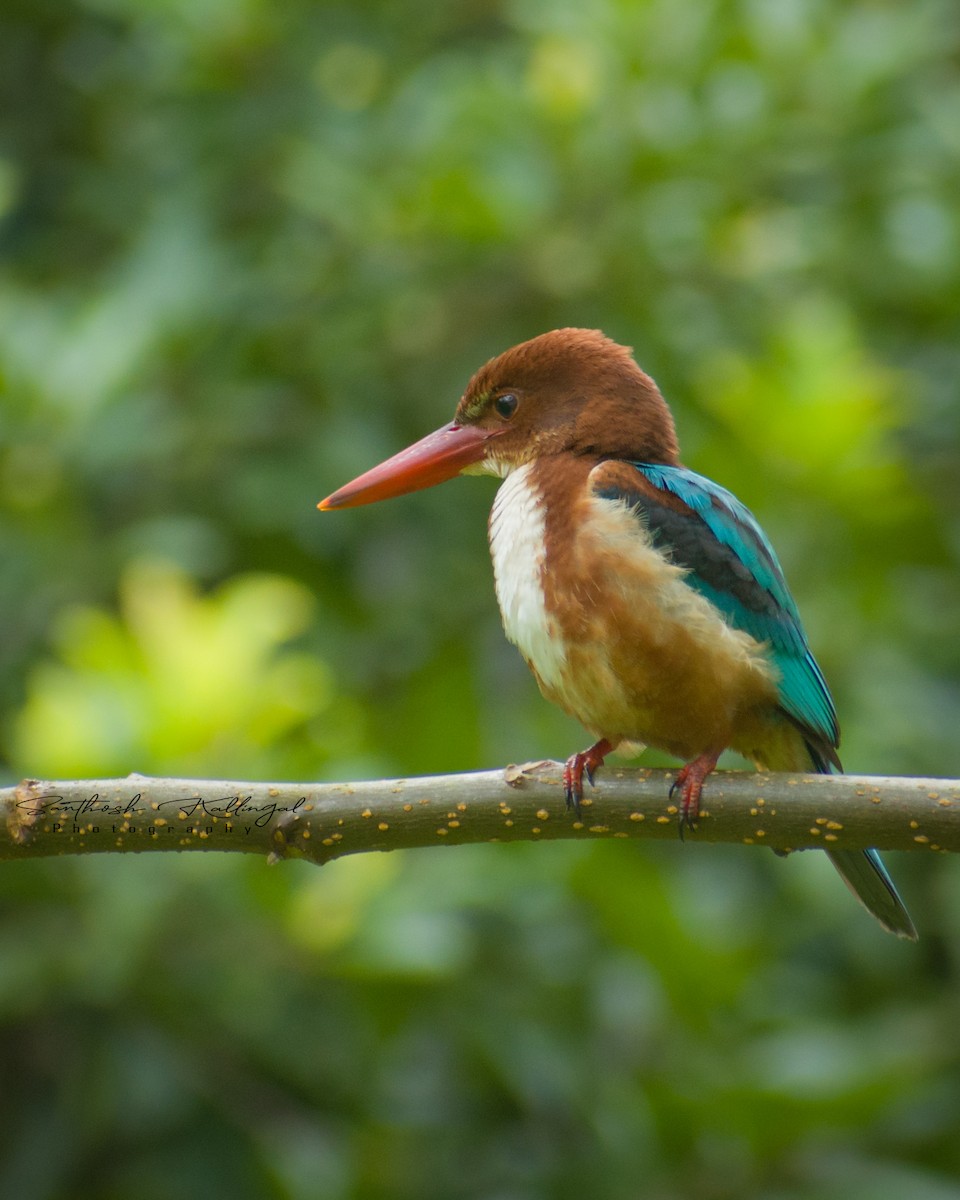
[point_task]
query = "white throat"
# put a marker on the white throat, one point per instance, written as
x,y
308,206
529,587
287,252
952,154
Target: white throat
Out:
x,y
517,547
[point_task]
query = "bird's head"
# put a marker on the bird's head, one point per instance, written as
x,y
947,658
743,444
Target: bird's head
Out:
x,y
567,391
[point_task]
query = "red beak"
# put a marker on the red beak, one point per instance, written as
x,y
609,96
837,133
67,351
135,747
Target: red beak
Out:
x,y
437,457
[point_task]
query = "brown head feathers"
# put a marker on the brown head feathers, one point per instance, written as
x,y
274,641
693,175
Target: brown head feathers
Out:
x,y
573,391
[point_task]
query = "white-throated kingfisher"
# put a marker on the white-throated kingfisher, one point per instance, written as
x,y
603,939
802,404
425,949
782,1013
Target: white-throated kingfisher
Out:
x,y
645,598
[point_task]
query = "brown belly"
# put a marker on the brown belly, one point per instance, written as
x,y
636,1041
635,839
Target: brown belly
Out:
x,y
647,658
675,694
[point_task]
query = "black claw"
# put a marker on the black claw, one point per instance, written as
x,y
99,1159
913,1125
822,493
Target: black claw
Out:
x,y
572,789
684,819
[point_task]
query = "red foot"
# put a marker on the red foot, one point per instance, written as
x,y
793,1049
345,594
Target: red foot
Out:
x,y
689,781
585,761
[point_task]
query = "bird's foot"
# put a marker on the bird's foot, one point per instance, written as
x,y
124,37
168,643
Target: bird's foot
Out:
x,y
689,782
584,762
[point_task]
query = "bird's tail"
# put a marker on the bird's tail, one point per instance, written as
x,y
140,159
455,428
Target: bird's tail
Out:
x,y
861,870
865,875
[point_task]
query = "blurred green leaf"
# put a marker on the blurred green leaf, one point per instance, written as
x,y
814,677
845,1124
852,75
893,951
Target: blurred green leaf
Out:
x,y
179,683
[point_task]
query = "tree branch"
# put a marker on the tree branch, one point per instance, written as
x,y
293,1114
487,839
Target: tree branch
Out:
x,y
320,822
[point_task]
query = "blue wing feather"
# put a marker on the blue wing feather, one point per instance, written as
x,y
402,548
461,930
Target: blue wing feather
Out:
x,y
730,561
771,616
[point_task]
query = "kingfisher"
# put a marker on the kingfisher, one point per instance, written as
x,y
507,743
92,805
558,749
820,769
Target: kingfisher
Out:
x,y
645,598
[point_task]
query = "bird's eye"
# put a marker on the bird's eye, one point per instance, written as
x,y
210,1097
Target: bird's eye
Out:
x,y
506,405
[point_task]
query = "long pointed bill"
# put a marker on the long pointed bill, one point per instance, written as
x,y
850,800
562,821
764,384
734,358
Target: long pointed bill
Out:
x,y
435,458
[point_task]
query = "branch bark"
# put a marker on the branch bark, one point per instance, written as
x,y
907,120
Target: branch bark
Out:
x,y
320,822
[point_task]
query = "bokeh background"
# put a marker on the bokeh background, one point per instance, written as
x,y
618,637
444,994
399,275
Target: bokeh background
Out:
x,y
249,249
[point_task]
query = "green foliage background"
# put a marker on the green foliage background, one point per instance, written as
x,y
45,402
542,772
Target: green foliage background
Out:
x,y
251,248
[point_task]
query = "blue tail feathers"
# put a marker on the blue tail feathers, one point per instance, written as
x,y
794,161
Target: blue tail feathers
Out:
x,y
862,870
865,875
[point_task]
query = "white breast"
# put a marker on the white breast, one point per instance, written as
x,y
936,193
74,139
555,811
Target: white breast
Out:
x,y
517,547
